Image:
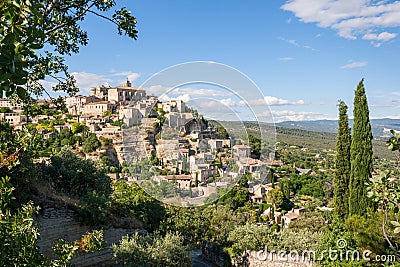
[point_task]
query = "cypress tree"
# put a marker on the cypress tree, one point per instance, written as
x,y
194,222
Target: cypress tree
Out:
x,y
342,164
360,154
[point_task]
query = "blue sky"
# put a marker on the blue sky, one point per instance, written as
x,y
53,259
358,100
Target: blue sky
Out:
x,y
304,55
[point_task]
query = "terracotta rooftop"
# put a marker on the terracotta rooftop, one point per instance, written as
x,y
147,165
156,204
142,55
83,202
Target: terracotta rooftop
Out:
x,y
178,177
100,102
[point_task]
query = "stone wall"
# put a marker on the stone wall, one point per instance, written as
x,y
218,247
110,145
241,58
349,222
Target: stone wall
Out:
x,y
215,255
59,224
254,259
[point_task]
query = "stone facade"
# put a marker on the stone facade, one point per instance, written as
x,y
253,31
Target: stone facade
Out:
x,y
97,108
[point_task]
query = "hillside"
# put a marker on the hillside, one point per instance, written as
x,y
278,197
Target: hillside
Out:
x,y
380,127
313,139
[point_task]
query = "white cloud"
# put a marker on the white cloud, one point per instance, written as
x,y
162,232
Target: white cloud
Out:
x,y
85,80
349,18
383,36
131,76
185,98
200,92
48,85
157,90
272,101
290,115
356,64
295,43
377,39
396,93
228,102
286,58
193,92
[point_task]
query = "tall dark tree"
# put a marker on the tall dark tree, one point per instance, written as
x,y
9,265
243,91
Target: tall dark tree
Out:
x,y
360,154
342,163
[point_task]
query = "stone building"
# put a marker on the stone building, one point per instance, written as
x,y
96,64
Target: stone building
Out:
x,y
11,104
14,119
76,103
97,108
126,94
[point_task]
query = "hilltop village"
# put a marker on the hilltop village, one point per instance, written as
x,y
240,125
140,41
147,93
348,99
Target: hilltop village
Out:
x,y
184,149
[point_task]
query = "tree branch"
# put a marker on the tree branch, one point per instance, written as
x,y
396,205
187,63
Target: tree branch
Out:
x,y
49,8
384,220
70,21
102,16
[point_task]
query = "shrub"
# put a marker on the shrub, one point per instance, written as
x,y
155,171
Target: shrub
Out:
x,y
152,250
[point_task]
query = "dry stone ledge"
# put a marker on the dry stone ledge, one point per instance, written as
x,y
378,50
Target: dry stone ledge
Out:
x,y
58,224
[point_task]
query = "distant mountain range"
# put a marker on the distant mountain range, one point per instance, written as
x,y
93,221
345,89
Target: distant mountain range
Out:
x,y
380,127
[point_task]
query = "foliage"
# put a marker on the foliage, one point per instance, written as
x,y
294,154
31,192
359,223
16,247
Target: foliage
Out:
x,y
93,208
310,221
342,164
30,26
64,251
17,231
360,154
367,232
275,197
252,237
255,145
332,236
75,176
220,130
222,221
152,250
117,123
19,235
386,194
107,113
190,222
81,179
238,195
132,200
78,127
300,240
5,110
256,238
105,141
90,144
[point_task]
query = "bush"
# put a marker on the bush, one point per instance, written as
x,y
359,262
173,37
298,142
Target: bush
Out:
x,y
17,231
75,176
93,208
132,200
90,144
152,250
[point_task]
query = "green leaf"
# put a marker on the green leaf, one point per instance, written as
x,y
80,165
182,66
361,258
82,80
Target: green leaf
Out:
x,y
9,39
395,223
390,146
21,92
35,46
397,230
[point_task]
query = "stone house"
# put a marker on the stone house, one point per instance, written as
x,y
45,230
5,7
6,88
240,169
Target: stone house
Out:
x,y
97,108
216,144
183,181
241,151
14,119
292,215
76,103
126,94
258,192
